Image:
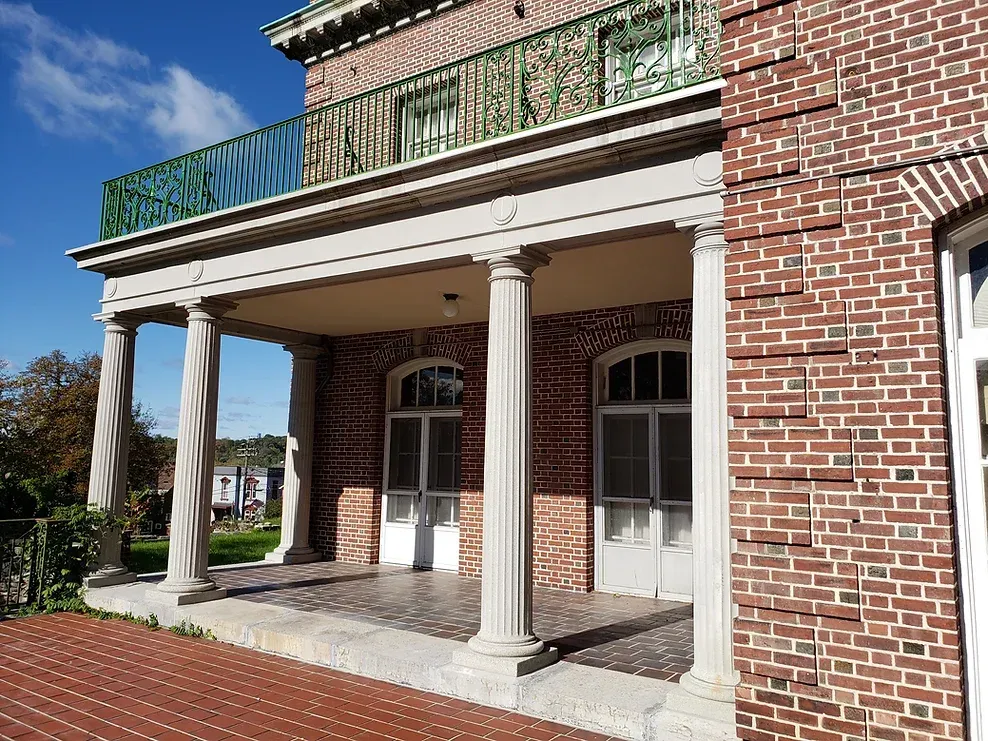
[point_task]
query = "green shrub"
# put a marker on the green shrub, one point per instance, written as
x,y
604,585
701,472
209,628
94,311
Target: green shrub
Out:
x,y
272,509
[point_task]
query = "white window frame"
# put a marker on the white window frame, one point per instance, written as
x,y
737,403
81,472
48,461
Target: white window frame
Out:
x,y
964,343
426,414
602,407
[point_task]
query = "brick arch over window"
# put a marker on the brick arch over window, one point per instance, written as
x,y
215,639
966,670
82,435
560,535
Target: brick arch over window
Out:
x,y
952,187
669,320
420,344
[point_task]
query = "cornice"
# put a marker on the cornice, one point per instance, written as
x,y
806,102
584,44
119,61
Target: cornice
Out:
x,y
329,27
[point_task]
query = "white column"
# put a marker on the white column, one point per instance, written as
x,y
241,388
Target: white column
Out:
x,y
506,642
111,442
713,675
188,549
294,547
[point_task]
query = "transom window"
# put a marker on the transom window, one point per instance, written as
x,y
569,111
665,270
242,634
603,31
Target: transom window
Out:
x,y
651,376
430,387
978,265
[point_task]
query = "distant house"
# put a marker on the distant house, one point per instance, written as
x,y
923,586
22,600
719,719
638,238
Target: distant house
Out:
x,y
237,489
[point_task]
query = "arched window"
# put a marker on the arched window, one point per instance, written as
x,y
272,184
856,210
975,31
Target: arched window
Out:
x,y
646,372
426,384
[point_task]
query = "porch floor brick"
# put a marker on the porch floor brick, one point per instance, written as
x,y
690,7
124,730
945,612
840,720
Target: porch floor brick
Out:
x,y
214,692
635,635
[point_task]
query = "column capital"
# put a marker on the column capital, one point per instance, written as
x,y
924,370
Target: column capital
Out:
x,y
120,321
304,352
518,261
708,236
206,307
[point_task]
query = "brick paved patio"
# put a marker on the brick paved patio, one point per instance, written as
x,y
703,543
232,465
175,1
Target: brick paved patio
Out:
x,y
73,678
653,638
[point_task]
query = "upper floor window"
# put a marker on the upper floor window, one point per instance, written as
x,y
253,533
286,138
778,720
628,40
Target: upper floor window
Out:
x,y
644,57
428,120
649,376
429,386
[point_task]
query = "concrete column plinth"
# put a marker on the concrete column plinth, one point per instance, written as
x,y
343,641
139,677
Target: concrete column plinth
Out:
x,y
188,553
294,546
111,441
506,643
712,675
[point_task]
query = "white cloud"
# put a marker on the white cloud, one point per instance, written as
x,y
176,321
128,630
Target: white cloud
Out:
x,y
77,84
6,240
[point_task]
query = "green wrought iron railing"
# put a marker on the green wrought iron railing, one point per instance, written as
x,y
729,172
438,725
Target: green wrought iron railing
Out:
x,y
630,51
22,562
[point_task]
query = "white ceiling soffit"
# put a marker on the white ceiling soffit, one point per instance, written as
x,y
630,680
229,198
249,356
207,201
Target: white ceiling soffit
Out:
x,y
328,27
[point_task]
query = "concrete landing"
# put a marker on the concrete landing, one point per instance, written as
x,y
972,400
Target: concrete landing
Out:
x,y
627,706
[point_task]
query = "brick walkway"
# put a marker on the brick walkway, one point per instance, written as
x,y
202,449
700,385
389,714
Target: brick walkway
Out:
x,y
650,637
73,678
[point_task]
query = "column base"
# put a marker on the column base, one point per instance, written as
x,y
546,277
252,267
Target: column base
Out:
x,y
176,599
99,579
302,555
716,691
509,666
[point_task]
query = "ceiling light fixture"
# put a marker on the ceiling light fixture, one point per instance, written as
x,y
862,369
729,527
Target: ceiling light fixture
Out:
x,y
450,306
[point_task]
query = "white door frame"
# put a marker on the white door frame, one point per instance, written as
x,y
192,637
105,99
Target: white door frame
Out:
x,y
964,344
653,411
426,415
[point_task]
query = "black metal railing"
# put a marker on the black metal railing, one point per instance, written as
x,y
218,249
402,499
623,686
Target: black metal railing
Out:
x,y
23,550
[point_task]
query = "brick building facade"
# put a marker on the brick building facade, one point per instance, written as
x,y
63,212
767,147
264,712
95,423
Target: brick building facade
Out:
x,y
845,571
350,433
754,226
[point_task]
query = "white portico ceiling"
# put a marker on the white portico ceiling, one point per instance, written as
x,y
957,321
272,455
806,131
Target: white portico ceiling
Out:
x,y
656,268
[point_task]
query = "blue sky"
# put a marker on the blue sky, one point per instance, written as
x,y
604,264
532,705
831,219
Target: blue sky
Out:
x,y
92,90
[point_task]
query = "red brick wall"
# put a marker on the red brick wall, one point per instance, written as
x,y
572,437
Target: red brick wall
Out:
x,y
472,27
348,465
844,573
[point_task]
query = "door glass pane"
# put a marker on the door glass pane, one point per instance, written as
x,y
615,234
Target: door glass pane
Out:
x,y
625,449
445,386
444,454
403,508
409,389
626,522
978,264
674,373
647,376
406,440
427,387
677,525
443,511
619,381
675,463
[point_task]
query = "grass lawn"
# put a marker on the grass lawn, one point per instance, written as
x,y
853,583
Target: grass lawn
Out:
x,y
224,548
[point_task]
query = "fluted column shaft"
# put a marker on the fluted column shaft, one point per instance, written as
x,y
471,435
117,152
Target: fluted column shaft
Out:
x,y
712,674
294,547
506,586
111,441
188,551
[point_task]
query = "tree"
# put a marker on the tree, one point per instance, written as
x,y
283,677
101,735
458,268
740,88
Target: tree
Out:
x,y
47,422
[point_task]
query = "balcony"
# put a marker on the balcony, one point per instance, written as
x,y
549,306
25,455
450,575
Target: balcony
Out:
x,y
628,52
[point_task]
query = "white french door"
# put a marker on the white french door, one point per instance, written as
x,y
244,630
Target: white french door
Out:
x,y
421,504
643,502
